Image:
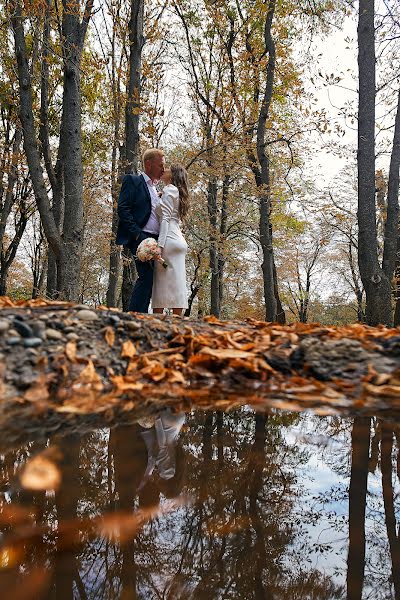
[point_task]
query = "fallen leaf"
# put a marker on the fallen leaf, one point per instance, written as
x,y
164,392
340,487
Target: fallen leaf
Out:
x,y
109,335
126,383
128,350
70,351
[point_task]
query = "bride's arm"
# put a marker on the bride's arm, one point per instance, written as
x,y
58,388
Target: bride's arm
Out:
x,y
167,206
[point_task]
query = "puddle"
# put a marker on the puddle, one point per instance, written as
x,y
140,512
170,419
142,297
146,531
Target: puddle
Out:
x,y
205,505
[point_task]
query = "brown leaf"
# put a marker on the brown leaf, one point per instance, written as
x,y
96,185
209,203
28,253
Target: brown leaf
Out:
x,y
226,353
38,392
70,351
109,335
128,349
89,376
126,383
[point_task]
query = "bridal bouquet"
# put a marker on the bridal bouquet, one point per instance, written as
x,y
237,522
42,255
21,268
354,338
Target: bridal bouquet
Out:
x,y
150,250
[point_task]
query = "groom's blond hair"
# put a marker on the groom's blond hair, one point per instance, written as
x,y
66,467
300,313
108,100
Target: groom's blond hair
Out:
x,y
151,153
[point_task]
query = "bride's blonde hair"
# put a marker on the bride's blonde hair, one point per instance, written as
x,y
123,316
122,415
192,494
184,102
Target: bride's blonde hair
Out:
x,y
180,180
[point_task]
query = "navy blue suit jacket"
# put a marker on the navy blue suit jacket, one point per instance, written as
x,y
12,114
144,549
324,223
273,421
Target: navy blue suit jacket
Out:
x,y
134,209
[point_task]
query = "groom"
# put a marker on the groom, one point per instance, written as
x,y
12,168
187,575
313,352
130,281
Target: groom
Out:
x,y
137,205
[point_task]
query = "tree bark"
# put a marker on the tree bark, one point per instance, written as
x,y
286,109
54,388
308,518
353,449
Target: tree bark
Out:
x,y
264,174
68,249
376,283
212,214
132,113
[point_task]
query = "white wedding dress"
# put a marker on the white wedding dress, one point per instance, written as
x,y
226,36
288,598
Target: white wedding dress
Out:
x,y
169,285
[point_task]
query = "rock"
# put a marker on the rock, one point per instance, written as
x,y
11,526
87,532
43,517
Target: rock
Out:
x,y
13,341
32,342
87,315
69,330
54,334
13,333
39,328
72,337
81,307
132,325
4,325
23,328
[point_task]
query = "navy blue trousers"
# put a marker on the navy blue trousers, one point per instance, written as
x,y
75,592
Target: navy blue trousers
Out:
x,y
141,293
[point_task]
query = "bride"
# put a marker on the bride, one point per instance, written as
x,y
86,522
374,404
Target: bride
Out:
x,y
169,285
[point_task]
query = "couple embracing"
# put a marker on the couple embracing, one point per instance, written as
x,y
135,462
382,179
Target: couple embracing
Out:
x,y
143,214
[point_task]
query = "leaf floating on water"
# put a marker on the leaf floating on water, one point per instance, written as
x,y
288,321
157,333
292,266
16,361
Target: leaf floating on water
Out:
x,y
40,474
11,556
12,514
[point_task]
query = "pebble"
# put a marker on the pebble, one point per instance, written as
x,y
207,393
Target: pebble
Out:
x,y
69,330
38,329
132,325
23,328
114,319
13,333
72,337
87,315
32,342
81,307
54,334
4,325
13,341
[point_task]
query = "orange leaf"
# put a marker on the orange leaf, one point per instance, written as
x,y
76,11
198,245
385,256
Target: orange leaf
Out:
x,y
109,336
70,351
128,350
126,383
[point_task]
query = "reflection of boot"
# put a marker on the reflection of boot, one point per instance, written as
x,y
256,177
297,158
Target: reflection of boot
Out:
x,y
168,426
150,440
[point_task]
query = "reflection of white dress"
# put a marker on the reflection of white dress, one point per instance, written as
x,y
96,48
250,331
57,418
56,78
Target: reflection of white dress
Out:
x,y
169,285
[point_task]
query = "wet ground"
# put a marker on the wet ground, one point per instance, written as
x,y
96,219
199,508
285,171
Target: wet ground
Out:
x,y
204,505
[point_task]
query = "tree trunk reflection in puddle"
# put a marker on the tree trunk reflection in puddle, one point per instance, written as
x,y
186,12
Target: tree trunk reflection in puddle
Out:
x,y
360,439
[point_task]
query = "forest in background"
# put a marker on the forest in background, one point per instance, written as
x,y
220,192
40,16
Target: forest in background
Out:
x,y
231,90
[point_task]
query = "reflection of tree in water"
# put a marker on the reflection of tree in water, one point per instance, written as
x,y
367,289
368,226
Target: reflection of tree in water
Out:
x,y
246,533
236,539
371,462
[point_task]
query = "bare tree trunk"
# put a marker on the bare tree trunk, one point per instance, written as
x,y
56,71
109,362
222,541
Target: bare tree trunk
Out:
x,y
264,174
132,114
68,250
212,214
376,283
71,134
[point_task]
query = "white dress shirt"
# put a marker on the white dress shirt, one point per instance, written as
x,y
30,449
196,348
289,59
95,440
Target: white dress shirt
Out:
x,y
152,225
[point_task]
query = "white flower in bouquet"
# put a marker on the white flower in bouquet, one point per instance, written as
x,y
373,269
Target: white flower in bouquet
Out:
x,y
150,250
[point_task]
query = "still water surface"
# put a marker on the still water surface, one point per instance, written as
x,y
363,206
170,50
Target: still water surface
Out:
x,y
207,505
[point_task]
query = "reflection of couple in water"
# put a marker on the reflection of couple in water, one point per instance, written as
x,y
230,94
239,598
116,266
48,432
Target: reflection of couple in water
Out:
x,y
148,459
